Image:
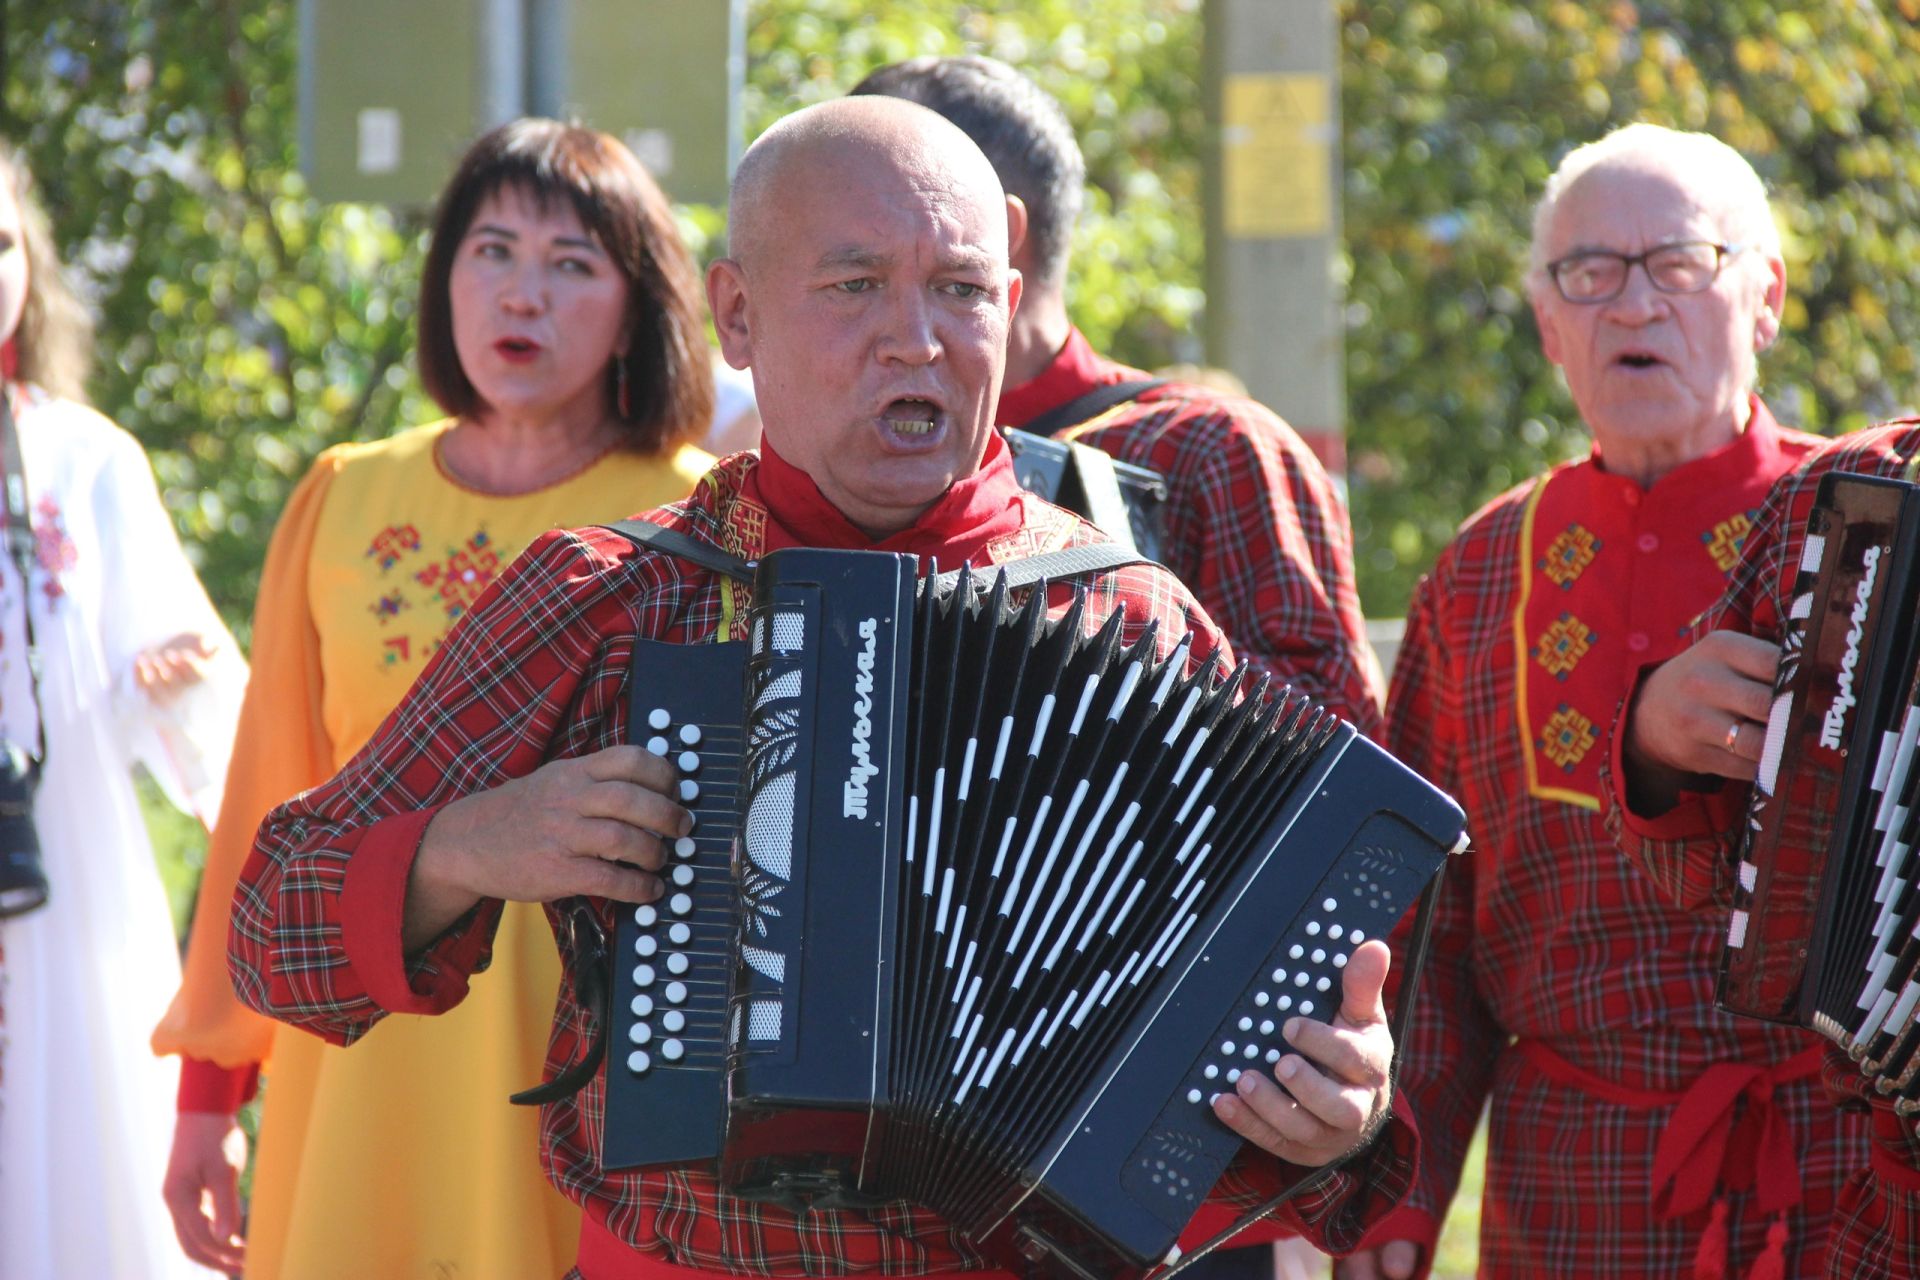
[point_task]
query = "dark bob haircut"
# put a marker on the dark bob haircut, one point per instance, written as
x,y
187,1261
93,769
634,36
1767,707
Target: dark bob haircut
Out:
x,y
669,369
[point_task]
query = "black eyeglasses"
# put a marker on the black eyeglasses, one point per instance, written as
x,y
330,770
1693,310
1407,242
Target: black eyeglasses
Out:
x,y
1598,275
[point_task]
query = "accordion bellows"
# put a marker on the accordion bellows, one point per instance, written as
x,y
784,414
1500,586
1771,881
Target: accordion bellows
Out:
x,y
983,906
1825,932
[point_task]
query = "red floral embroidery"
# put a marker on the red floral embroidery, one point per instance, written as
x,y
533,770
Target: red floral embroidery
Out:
x,y
52,548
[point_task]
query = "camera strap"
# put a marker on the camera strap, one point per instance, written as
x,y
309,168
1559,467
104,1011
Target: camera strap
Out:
x,y
17,531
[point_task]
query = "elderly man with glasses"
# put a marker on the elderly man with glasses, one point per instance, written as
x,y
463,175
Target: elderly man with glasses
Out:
x,y
1635,1130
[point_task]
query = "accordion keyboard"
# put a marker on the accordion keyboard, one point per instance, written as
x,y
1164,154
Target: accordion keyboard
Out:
x,y
667,1054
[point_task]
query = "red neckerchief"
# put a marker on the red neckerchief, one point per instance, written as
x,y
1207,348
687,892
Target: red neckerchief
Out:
x,y
972,514
1076,370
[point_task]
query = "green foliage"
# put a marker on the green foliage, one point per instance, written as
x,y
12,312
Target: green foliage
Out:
x,y
1456,111
245,327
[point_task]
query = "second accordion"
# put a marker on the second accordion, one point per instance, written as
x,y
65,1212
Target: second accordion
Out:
x,y
983,905
1825,932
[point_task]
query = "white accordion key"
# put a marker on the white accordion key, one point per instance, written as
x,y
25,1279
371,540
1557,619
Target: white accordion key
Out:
x,y
682,876
680,904
645,945
673,1021
690,734
689,762
639,1033
672,1050
678,933
643,975
642,1005
676,993
638,1061
689,790
659,746
677,964
658,719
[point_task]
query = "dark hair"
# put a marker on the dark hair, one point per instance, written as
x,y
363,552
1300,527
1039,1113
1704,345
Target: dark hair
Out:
x,y
1019,126
53,345
668,366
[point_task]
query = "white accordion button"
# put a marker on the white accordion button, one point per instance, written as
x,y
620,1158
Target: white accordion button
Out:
x,y
689,762
1313,928
1296,951
1233,1076
1301,979
678,934
672,1050
1279,975
683,876
642,1005
1284,1003
1193,1095
1273,1055
638,1061
677,965
690,734
673,1021
1260,999
1212,1072
1266,1028
1323,984
683,847
1246,1024
1306,1006
689,790
676,993
1319,956
1328,905
658,745
1228,1048
639,1033
658,718
644,916
1356,937
645,945
680,904
1334,931
643,975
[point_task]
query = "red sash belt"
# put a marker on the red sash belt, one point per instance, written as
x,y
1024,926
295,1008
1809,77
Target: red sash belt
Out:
x,y
1704,1154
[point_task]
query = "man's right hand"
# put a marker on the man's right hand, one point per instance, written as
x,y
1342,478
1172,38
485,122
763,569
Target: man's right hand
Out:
x,y
599,826
1703,711
202,1189
1394,1260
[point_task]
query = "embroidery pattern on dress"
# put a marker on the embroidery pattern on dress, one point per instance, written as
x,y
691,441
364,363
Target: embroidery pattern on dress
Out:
x,y
451,584
1569,554
1725,539
1568,737
1562,645
53,550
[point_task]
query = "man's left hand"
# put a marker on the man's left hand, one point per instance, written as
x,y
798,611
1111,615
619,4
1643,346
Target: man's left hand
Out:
x,y
1337,1087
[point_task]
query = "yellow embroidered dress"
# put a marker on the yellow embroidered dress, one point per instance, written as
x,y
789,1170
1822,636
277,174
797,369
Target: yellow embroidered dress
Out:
x,y
399,1157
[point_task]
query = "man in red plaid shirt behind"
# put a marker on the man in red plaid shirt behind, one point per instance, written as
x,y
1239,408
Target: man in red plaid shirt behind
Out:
x,y
1702,717
1254,525
869,290
1634,1130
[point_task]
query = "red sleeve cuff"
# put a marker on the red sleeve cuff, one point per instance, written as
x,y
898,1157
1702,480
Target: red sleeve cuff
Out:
x,y
211,1089
373,900
1699,815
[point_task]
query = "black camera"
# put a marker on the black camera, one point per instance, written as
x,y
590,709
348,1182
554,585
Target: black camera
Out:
x,y
23,880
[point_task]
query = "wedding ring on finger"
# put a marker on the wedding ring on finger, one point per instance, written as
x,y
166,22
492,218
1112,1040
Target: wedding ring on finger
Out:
x,y
1732,739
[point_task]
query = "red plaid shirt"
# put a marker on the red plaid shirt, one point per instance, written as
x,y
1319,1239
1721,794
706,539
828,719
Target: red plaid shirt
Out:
x,y
539,672
1690,853
1254,525
1518,646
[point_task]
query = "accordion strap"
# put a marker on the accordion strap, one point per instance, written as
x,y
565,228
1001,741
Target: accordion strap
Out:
x,y
653,537
1065,563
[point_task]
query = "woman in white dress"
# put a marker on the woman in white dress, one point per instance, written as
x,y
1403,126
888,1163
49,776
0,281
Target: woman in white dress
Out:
x,y
135,668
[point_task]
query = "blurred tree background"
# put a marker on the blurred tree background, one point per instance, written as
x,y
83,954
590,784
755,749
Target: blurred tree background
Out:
x,y
245,327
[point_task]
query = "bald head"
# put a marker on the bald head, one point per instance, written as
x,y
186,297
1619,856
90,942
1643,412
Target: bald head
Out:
x,y
865,139
869,291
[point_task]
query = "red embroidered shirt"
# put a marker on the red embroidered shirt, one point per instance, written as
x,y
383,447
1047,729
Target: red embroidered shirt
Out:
x,y
1519,645
1254,524
539,672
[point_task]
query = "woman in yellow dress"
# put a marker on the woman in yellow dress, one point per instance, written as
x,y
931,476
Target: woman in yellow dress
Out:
x,y
562,328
